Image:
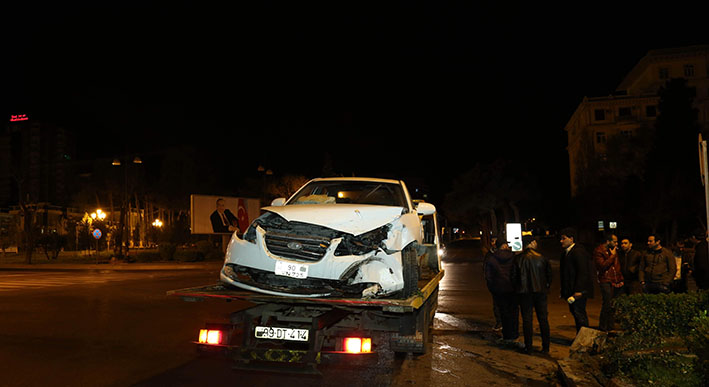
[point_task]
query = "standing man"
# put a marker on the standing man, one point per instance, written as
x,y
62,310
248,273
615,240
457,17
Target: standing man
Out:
x,y
610,279
495,307
533,282
700,267
657,267
576,284
629,266
500,272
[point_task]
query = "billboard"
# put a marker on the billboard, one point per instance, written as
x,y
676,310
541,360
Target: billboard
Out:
x,y
222,214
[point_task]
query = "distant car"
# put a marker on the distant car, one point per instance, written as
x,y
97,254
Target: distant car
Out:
x,y
359,237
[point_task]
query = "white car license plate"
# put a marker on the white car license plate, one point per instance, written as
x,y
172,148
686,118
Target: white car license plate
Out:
x,y
290,269
275,333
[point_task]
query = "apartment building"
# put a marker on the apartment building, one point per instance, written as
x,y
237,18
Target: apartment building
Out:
x,y
632,108
36,160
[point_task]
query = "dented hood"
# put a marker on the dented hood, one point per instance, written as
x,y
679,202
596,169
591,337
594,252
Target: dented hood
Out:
x,y
350,218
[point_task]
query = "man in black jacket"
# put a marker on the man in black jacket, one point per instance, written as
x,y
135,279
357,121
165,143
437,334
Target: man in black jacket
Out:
x,y
499,276
495,307
533,281
575,273
629,265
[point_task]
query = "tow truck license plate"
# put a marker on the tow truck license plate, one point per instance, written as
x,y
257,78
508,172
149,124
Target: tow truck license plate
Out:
x,y
290,269
275,333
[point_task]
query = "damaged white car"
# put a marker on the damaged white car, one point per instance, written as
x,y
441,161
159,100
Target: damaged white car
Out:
x,y
346,237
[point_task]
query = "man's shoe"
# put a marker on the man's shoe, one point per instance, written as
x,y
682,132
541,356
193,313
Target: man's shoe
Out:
x,y
497,328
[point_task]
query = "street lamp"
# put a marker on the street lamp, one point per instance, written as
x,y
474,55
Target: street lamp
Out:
x,y
157,223
98,215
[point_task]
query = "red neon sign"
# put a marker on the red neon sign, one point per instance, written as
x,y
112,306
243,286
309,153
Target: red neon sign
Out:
x,y
18,117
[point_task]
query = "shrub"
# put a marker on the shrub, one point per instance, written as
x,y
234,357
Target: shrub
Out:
x,y
661,334
648,320
698,343
661,369
167,251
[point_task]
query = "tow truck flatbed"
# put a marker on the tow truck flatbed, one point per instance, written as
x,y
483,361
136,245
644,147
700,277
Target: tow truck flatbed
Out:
x,y
219,291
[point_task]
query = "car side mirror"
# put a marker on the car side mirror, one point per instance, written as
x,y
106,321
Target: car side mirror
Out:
x,y
278,202
425,209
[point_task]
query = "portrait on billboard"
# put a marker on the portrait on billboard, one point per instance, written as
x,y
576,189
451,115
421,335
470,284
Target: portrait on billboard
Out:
x,y
222,214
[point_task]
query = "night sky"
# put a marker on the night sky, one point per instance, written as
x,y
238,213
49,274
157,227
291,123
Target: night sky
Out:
x,y
279,84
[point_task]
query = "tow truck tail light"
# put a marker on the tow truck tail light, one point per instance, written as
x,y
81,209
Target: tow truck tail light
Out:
x,y
210,336
358,345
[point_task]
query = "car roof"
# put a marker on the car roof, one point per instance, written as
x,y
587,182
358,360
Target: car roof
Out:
x,y
372,179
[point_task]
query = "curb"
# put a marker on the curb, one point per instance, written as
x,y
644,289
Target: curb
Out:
x,y
112,266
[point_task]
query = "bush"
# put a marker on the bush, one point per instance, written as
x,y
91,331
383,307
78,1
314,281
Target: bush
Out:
x,y
648,320
664,339
698,343
167,251
661,369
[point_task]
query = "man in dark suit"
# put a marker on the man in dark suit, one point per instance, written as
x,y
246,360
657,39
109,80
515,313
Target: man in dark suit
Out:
x,y
576,284
223,221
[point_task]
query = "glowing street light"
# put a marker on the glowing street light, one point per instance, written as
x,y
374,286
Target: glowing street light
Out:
x,y
157,223
98,215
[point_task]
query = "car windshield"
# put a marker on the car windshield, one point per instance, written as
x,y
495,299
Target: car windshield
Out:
x,y
351,192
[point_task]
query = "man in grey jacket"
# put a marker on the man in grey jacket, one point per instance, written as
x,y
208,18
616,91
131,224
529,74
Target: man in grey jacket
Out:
x,y
657,267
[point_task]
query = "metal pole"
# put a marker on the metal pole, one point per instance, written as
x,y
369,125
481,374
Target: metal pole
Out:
x,y
705,182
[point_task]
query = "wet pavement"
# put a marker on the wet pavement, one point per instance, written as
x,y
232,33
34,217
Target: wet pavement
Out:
x,y
467,352
115,326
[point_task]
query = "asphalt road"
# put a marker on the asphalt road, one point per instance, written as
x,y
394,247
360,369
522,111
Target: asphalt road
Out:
x,y
118,328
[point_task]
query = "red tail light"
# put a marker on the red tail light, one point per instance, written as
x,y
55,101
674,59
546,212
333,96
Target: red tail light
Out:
x,y
358,345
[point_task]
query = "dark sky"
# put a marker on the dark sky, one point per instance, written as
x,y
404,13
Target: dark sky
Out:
x,y
280,83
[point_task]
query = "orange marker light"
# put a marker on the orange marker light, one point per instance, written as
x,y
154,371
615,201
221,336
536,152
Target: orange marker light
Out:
x,y
367,345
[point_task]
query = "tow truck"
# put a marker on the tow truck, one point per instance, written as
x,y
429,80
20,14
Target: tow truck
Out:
x,y
296,334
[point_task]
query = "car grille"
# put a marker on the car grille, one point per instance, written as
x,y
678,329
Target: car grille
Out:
x,y
300,247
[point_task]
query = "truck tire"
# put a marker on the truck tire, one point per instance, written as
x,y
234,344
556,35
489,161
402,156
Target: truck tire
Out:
x,y
410,271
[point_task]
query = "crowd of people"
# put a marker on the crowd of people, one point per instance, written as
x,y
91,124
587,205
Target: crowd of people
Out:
x,y
520,282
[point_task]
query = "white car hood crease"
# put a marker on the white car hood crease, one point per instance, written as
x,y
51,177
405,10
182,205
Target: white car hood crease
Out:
x,y
350,218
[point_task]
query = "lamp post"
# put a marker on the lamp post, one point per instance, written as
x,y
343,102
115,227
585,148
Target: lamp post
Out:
x,y
97,216
124,206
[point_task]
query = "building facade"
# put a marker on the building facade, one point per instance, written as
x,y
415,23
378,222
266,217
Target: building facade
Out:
x,y
36,162
632,109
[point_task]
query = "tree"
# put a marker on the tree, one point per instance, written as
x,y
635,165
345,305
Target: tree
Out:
x,y
488,195
285,186
673,192
612,182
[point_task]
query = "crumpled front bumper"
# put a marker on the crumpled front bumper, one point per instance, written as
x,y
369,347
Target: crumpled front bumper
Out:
x,y
250,266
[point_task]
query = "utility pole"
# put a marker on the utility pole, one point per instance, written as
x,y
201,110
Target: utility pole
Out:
x,y
704,172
